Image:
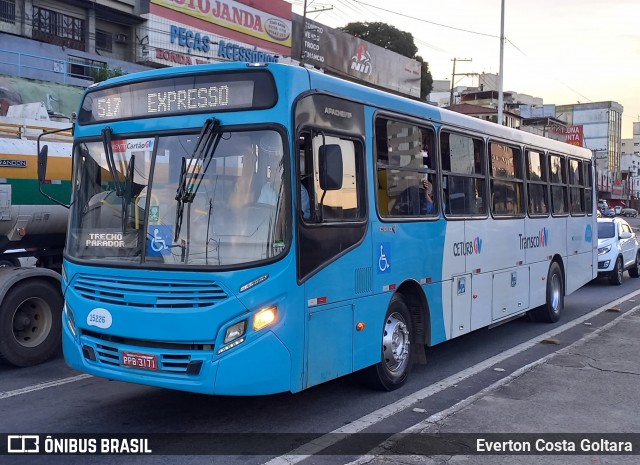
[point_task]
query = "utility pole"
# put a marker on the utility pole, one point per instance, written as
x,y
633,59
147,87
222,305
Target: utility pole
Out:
x,y
501,76
304,28
303,35
453,77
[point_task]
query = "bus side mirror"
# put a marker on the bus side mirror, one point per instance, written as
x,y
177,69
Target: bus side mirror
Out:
x,y
42,163
330,164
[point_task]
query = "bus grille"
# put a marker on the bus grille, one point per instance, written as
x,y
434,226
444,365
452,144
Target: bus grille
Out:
x,y
171,363
149,293
173,357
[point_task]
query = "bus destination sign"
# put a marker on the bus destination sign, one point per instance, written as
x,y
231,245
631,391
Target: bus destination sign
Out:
x,y
179,95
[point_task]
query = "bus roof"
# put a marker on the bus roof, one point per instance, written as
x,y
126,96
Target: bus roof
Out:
x,y
366,95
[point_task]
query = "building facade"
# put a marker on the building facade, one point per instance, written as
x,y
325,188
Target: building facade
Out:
x,y
601,124
51,50
630,164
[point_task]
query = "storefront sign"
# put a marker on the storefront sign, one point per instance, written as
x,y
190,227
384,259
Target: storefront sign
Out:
x,y
339,53
572,134
177,44
235,52
235,16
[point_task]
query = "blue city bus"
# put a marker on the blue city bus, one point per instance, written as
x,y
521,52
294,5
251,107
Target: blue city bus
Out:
x,y
248,229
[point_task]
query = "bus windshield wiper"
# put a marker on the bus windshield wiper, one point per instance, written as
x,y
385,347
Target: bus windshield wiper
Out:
x,y
122,191
191,174
111,163
128,190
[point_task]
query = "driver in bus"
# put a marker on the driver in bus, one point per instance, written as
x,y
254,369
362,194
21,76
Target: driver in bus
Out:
x,y
243,191
270,154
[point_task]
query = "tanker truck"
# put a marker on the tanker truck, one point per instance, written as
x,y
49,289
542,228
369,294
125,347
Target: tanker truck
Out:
x,y
32,229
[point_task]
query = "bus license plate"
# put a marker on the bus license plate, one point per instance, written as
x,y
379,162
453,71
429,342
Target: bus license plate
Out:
x,y
137,360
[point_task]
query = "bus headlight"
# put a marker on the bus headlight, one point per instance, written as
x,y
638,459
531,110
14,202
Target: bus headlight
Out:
x,y
264,318
235,331
71,320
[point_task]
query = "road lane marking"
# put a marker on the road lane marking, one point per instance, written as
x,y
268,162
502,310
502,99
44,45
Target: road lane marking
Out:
x,y
313,447
444,414
40,386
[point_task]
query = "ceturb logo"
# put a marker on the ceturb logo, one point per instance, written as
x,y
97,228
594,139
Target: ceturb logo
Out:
x,y
473,247
534,242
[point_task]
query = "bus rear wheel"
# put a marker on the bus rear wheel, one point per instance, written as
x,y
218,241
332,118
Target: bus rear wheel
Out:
x,y
550,312
393,369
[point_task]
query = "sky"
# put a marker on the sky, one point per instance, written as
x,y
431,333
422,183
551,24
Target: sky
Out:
x,y
563,51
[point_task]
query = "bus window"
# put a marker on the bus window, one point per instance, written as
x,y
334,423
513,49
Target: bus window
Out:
x,y
305,169
342,204
588,198
538,200
558,175
576,187
463,174
506,180
405,169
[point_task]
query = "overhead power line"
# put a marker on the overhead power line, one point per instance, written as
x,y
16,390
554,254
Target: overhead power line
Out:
x,y
428,22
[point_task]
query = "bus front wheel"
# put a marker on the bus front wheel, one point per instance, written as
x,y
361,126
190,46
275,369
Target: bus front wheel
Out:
x,y
393,369
551,310
30,323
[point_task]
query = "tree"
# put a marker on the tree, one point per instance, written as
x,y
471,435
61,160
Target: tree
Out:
x,y
426,80
104,72
391,38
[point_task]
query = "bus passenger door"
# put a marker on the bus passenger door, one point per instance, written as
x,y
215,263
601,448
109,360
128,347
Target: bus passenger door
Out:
x,y
333,251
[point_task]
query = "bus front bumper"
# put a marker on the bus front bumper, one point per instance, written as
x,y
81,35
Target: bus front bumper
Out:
x,y
259,367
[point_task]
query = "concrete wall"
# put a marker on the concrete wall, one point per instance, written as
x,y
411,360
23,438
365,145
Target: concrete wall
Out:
x,y
26,58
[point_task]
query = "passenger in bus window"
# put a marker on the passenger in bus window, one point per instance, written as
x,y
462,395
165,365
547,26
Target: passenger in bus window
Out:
x,y
305,204
305,201
428,206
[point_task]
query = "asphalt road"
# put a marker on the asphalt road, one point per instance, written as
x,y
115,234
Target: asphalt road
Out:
x,y
53,399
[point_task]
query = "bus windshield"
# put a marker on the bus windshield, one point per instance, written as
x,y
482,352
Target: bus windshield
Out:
x,y
212,199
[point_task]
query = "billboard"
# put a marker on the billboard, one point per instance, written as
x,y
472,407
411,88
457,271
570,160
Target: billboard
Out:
x,y
171,43
267,22
342,54
572,134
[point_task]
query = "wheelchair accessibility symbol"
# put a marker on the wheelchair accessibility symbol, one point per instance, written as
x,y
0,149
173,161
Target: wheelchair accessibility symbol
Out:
x,y
384,259
159,240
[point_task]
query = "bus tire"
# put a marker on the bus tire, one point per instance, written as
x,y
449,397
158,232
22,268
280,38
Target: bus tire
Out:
x,y
615,276
393,369
550,312
30,323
